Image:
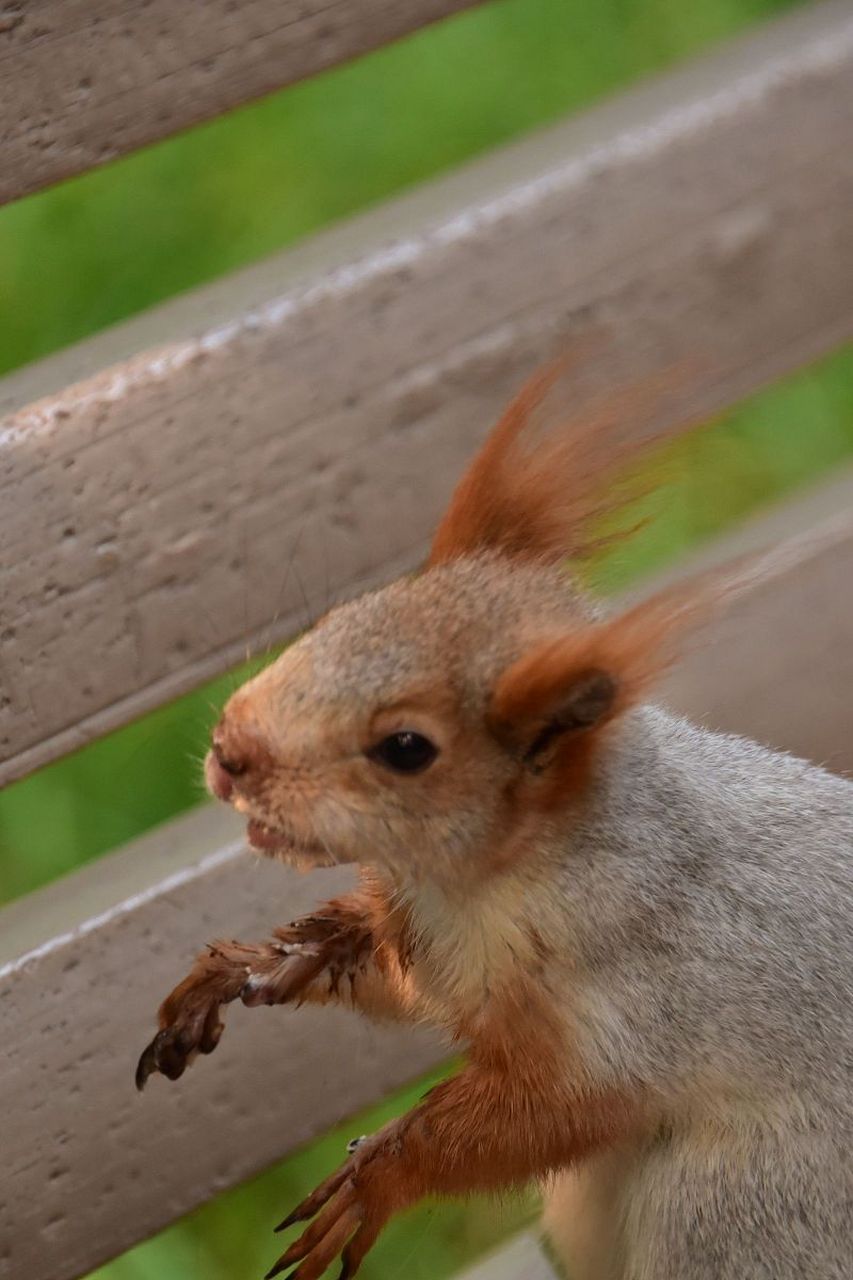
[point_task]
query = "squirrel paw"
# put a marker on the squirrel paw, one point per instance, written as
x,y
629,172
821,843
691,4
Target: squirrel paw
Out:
x,y
190,1017
174,1047
349,1209
314,952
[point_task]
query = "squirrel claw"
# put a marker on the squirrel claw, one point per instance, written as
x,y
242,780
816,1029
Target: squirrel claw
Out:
x,y
289,1221
167,1054
145,1066
277,1269
348,1210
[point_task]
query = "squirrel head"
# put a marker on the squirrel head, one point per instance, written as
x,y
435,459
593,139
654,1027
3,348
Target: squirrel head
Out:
x,y
373,738
418,728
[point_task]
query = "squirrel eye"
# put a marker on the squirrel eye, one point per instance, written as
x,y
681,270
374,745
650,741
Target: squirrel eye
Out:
x,y
404,752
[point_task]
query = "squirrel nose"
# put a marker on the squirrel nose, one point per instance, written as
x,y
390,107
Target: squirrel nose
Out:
x,y
227,753
235,752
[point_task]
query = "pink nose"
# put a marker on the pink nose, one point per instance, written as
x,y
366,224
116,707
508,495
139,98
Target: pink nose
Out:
x,y
232,749
217,778
236,752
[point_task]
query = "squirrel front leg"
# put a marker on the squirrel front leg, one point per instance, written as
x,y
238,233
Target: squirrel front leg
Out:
x,y
331,955
483,1130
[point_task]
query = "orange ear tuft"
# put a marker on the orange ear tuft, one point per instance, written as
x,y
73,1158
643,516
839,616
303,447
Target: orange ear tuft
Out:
x,y
552,702
550,705
539,480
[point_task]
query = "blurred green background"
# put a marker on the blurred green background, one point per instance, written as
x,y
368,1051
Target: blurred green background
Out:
x,y
106,245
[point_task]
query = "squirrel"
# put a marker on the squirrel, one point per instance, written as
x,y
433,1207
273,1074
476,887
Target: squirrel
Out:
x,y
641,930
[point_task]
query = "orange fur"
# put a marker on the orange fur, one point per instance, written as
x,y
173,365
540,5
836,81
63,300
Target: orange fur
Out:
x,y
487,1130
538,483
625,653
634,648
480,1131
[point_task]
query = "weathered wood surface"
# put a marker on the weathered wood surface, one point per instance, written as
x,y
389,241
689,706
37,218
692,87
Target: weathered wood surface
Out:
x,y
520,1259
90,1166
779,667
298,426
85,81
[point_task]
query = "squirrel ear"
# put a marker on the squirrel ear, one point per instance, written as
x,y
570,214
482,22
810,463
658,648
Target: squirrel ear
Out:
x,y
555,692
569,686
586,701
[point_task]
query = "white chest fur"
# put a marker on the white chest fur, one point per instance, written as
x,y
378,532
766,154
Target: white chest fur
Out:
x,y
472,945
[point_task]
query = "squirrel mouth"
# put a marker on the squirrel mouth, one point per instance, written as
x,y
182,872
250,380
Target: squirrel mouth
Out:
x,y
260,836
270,840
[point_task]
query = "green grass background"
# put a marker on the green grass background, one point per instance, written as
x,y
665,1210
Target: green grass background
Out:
x,y
101,247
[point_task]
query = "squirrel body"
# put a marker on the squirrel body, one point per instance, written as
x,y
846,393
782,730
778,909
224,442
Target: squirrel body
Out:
x,y
640,930
717,969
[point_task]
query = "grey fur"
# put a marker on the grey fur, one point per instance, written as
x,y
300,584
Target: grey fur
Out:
x,y
707,895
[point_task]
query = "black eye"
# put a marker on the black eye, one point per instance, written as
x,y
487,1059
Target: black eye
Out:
x,y
404,752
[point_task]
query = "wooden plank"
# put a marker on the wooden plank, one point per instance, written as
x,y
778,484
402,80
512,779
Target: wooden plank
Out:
x,y
521,1259
779,667
90,1166
298,427
122,74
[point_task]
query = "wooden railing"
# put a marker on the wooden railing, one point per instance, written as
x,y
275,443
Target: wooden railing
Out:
x,y
121,74
320,406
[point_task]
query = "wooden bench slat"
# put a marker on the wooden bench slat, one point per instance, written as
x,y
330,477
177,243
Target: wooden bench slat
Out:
x,y
84,962
521,1259
85,81
298,426
93,1166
